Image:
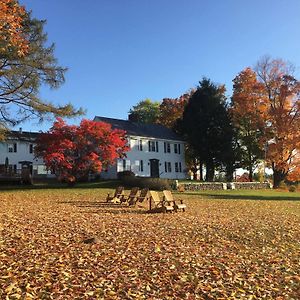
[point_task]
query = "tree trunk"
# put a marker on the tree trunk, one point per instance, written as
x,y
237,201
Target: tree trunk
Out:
x,y
250,173
278,177
210,170
229,173
201,170
195,175
194,169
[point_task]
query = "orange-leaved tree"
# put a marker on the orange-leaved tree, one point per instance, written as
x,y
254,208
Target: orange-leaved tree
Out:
x,y
247,111
27,63
72,152
274,97
12,36
172,109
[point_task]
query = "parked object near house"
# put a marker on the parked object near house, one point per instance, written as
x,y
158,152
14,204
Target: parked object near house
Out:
x,y
158,205
168,196
155,151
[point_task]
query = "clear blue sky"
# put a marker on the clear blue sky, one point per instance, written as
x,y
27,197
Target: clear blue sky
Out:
x,y
122,51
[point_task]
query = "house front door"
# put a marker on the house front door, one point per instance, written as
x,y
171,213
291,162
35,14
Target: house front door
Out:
x,y
154,168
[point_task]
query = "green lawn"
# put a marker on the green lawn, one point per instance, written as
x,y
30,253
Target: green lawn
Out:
x,y
249,194
227,245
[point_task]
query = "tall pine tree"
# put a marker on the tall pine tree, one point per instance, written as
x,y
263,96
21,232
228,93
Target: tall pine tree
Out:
x,y
207,128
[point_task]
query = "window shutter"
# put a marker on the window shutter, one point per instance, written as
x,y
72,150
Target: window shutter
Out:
x,y
156,146
141,166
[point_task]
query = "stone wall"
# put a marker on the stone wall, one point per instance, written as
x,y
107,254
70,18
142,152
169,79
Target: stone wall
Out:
x,y
251,185
202,186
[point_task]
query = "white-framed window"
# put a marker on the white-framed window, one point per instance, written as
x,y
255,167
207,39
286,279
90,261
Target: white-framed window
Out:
x,y
168,167
30,148
153,146
12,147
176,167
126,165
167,147
177,148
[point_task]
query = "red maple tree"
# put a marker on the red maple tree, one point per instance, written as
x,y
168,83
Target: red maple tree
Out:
x,y
72,152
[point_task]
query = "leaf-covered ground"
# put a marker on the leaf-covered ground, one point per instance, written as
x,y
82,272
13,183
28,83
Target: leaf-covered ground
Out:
x,y
217,249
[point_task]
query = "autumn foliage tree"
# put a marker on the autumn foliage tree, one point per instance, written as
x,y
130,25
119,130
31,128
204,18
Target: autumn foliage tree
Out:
x,y
12,35
72,152
172,109
269,95
26,63
247,110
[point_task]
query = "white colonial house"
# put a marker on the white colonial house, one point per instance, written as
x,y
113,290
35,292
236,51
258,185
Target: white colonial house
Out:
x,y
155,151
16,153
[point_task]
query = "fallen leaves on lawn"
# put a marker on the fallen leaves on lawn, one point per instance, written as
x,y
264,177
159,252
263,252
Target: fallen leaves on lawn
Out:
x,y
68,244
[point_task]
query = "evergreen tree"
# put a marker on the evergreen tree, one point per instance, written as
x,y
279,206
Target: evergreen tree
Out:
x,y
207,128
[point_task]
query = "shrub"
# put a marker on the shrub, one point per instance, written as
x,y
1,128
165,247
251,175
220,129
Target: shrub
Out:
x,y
282,185
146,182
292,188
123,174
181,188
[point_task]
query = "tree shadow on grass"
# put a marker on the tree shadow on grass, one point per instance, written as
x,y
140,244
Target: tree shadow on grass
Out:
x,y
248,197
110,184
104,207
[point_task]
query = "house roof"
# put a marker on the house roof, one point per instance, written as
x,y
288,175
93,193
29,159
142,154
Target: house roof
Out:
x,y
140,129
22,135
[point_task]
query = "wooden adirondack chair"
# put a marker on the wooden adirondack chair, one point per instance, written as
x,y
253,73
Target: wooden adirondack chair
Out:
x,y
168,196
131,197
116,197
158,204
139,199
